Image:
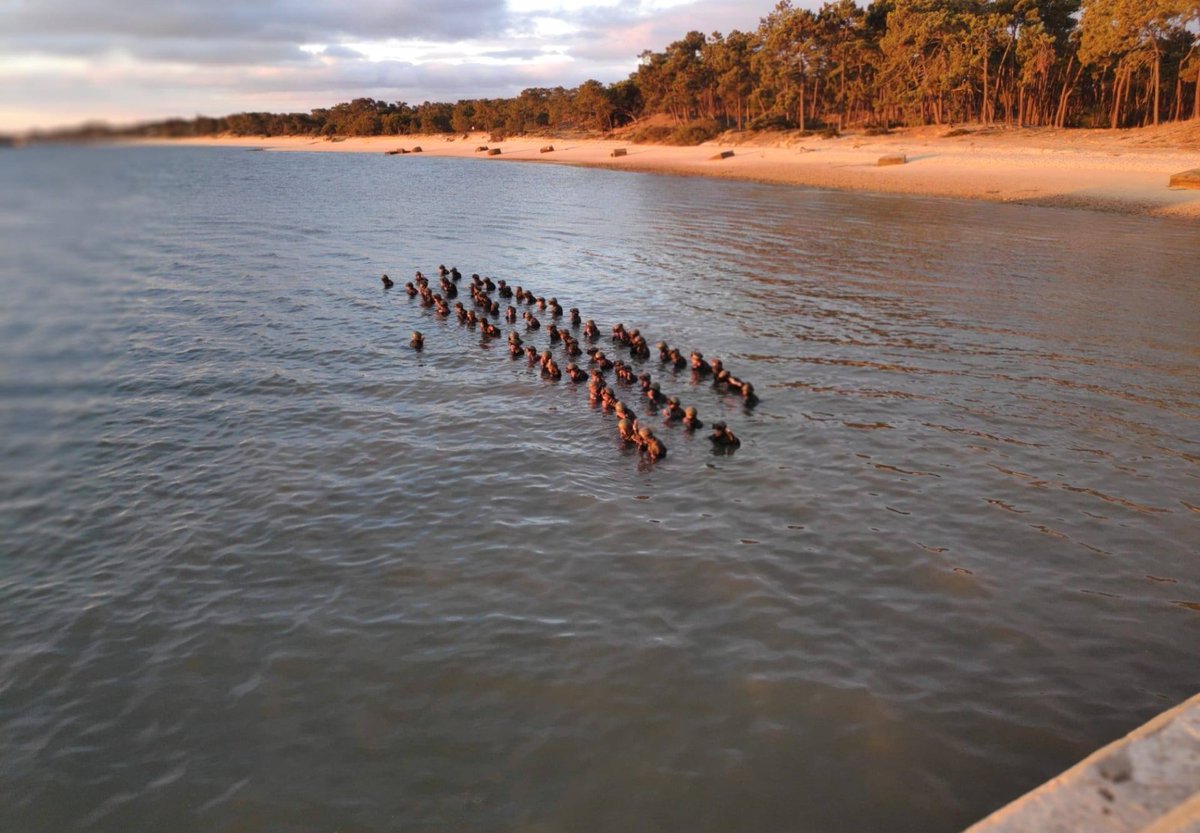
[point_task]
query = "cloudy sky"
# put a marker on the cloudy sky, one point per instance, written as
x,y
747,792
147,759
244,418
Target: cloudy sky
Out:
x,y
67,61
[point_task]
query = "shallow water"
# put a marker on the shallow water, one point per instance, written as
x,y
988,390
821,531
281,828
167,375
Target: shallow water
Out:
x,y
265,567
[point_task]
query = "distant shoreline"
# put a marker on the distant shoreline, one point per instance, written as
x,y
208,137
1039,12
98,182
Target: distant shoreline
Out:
x,y
1117,171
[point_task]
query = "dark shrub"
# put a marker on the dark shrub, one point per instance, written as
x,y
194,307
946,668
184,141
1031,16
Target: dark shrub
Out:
x,y
652,135
771,123
694,133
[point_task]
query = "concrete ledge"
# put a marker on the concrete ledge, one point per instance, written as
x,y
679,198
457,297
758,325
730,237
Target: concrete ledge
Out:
x,y
1146,782
895,159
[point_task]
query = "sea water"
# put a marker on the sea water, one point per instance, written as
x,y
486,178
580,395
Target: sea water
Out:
x,y
265,567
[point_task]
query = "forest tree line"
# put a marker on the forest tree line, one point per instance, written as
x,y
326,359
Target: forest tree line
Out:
x,y
1065,63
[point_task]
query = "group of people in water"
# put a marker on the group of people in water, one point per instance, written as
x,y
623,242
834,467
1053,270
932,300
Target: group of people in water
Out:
x,y
600,393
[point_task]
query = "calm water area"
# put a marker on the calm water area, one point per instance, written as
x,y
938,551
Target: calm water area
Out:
x,y
265,568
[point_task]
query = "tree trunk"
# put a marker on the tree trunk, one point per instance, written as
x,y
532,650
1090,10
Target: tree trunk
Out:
x,y
1000,80
842,96
800,109
1196,105
1157,80
1060,116
1116,106
983,114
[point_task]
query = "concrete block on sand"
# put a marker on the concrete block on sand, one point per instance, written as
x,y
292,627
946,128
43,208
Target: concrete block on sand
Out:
x,y
417,149
894,159
494,152
725,154
1186,179
1148,782
547,149
481,148
619,152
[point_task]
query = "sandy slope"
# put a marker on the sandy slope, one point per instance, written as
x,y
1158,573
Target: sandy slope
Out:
x,y
1125,171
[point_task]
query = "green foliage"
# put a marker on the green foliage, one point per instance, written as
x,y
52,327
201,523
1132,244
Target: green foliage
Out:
x,y
654,134
772,123
694,133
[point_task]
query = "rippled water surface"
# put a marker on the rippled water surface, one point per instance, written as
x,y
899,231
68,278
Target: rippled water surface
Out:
x,y
266,568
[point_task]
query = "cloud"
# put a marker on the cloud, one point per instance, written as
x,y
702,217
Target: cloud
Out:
x,y
64,61
515,54
338,51
297,21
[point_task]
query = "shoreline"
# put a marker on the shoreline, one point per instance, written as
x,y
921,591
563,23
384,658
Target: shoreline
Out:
x,y
1115,171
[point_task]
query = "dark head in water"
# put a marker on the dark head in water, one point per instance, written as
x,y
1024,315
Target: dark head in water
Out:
x,y
388,283
690,421
652,446
723,437
417,340
627,430
674,411
748,395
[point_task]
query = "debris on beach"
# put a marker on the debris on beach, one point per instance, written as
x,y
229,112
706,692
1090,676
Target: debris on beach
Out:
x,y
1185,179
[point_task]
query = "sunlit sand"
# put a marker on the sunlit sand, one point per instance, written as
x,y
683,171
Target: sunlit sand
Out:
x,y
1125,171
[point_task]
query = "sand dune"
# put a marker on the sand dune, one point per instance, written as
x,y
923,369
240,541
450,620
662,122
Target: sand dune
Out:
x,y
1123,171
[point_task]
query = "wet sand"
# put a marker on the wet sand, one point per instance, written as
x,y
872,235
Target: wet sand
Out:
x,y
1122,171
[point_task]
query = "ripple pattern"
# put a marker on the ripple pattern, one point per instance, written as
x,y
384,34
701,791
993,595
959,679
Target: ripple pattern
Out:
x,y
265,567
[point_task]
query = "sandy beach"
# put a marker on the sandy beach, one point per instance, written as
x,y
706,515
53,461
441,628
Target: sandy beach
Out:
x,y
1122,171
